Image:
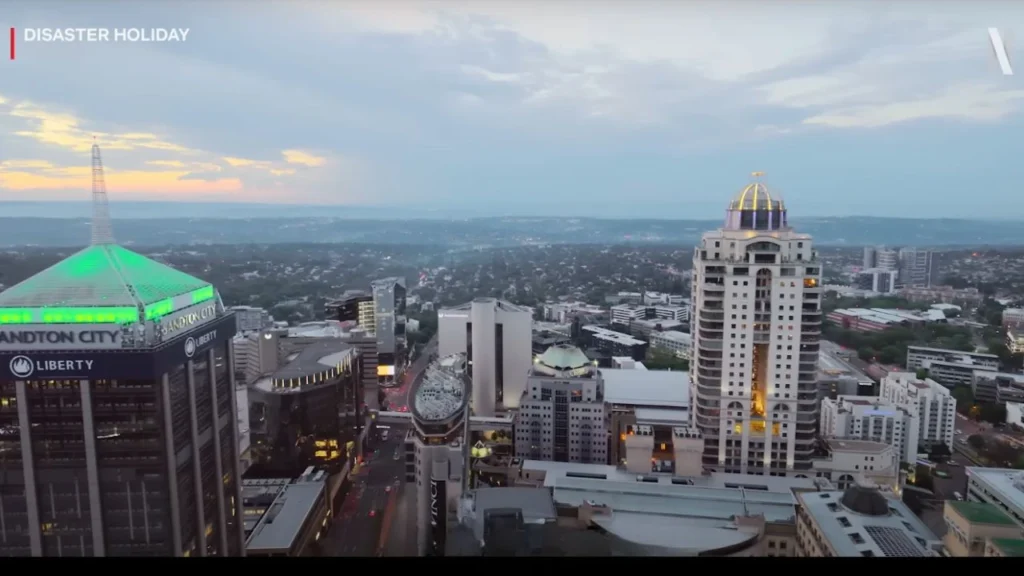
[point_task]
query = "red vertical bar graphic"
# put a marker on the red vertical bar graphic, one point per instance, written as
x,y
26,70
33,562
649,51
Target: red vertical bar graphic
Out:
x,y
12,43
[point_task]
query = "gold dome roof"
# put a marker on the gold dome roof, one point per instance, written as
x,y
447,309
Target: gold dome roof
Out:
x,y
756,196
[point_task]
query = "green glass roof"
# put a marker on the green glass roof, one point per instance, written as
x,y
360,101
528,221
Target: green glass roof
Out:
x,y
104,275
981,513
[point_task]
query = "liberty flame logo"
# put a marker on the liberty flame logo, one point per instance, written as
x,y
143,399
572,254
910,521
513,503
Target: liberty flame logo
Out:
x,y
21,366
190,347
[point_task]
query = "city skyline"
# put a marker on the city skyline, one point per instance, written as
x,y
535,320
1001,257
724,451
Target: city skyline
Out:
x,y
522,108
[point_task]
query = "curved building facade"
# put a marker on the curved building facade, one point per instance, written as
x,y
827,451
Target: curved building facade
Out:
x,y
440,438
756,328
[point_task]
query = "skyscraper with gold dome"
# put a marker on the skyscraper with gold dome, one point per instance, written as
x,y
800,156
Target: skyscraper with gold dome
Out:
x,y
756,328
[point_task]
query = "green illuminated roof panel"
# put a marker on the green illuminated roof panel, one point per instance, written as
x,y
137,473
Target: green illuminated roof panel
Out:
x,y
101,275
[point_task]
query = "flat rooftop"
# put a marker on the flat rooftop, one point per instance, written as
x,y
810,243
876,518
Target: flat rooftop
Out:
x,y
536,505
647,388
282,524
980,513
947,351
672,515
1005,484
856,445
315,358
852,534
617,337
661,416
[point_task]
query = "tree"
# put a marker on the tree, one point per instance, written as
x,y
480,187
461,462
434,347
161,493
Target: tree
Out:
x,y
658,359
976,441
939,452
964,397
922,373
993,412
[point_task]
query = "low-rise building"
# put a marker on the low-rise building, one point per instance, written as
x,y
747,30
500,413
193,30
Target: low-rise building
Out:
x,y
998,387
1001,487
671,515
659,399
290,516
970,526
674,341
849,462
950,367
860,521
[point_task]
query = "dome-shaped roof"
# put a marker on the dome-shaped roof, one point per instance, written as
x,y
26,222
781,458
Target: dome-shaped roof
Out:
x,y
866,501
756,196
564,357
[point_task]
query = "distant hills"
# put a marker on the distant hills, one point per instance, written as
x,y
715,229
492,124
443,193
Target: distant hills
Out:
x,y
66,224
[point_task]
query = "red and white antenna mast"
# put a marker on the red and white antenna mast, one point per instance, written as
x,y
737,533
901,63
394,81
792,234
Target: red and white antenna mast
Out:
x,y
102,231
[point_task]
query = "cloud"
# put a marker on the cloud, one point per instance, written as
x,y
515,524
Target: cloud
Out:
x,y
303,158
130,168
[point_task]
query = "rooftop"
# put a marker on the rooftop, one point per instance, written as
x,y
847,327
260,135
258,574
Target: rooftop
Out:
x,y
316,358
618,337
854,533
442,391
1005,484
856,445
100,276
282,523
755,196
502,305
980,513
647,388
1010,547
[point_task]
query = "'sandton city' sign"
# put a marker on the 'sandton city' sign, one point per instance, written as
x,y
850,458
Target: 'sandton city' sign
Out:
x,y
65,338
187,319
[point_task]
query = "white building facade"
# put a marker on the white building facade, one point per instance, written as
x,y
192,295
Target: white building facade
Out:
x,y
496,336
756,329
871,419
934,406
562,416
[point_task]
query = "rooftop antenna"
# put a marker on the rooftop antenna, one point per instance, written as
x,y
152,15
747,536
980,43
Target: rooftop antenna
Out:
x,y
102,231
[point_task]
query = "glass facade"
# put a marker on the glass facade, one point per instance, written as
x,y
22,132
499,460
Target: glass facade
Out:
x,y
107,458
313,424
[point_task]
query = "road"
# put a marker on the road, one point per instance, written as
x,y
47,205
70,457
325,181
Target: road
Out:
x,y
358,527
398,397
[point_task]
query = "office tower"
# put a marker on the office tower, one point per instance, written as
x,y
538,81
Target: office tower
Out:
x,y
886,258
353,306
562,414
870,257
756,328
389,320
251,319
497,338
439,443
915,268
118,432
308,412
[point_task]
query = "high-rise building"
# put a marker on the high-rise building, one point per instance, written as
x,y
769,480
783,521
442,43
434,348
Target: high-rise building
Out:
x,y
497,338
438,446
756,328
389,325
562,414
870,257
252,319
118,431
353,306
118,416
931,403
915,267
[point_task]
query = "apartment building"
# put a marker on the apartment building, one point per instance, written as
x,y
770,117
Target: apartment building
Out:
x,y
971,526
873,419
950,367
934,406
999,387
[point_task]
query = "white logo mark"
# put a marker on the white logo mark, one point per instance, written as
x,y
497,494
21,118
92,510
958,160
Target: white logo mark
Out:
x,y
190,347
21,366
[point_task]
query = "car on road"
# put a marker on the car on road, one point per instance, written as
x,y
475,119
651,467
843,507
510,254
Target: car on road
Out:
x,y
387,489
373,513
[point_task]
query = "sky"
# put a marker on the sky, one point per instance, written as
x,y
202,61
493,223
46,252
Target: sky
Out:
x,y
562,107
